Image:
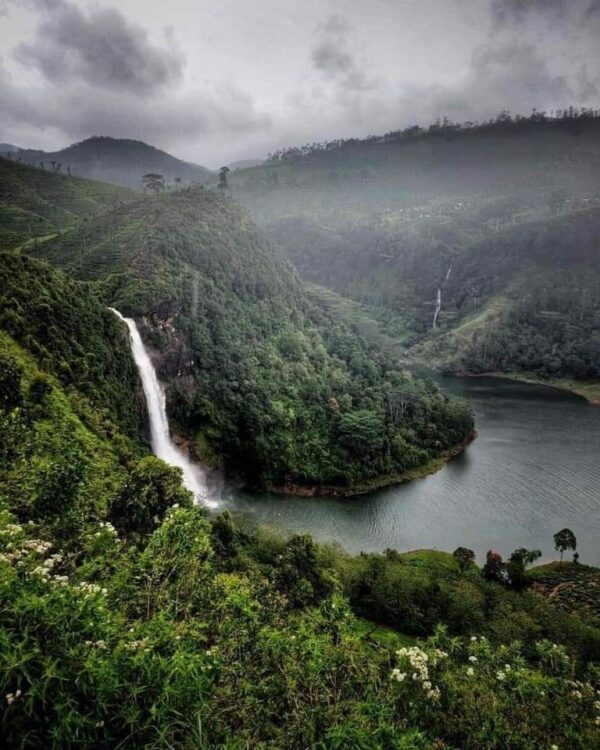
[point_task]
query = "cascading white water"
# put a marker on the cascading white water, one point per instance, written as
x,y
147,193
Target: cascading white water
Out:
x,y
162,445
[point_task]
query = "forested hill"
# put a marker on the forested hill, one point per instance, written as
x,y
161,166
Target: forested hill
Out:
x,y
36,203
385,220
411,167
120,161
72,338
525,300
259,376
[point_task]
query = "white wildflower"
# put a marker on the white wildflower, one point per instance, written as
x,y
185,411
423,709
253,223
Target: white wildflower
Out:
x,y
472,659
470,671
500,676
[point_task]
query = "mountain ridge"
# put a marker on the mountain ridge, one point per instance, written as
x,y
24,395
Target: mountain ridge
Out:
x,y
121,161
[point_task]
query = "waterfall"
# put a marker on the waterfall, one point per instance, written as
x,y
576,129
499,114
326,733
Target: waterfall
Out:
x,y
438,301
162,445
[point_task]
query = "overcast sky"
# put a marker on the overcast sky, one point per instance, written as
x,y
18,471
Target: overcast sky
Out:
x,y
216,80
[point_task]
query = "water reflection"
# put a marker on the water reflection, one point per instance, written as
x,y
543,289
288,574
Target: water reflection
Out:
x,y
534,469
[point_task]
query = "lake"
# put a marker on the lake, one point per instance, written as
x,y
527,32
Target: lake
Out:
x,y
534,469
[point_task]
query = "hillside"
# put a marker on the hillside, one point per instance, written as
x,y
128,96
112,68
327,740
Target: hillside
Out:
x,y
35,203
71,411
260,376
389,221
72,338
120,161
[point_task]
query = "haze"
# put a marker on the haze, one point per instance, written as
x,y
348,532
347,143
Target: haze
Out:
x,y
227,79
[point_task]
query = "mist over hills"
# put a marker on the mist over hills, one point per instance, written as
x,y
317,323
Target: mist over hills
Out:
x,y
120,161
417,225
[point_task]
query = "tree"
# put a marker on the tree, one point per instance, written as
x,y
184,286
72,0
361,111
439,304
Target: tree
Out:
x,y
153,183
145,496
299,574
517,564
464,557
494,568
223,177
564,540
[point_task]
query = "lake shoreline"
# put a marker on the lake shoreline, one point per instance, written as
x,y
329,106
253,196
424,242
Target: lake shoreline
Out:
x,y
586,389
377,483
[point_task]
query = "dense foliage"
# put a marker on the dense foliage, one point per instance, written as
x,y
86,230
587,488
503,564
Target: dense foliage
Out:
x,y
207,637
71,336
129,618
258,373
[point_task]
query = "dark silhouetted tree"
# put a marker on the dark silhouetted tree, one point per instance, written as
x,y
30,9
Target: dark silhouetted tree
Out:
x,y
564,540
517,564
464,557
494,568
223,172
153,183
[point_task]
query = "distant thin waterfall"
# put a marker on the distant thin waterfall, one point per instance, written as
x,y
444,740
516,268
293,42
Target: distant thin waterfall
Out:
x,y
438,301
162,445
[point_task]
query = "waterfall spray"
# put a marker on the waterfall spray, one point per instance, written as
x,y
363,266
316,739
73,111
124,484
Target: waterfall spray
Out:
x,y
162,445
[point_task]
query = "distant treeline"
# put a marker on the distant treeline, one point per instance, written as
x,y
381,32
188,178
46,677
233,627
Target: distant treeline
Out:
x,y
573,118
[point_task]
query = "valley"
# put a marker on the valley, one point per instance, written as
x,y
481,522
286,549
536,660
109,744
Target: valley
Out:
x,y
235,487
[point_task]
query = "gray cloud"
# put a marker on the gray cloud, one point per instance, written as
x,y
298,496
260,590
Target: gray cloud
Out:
x,y
101,48
268,75
332,56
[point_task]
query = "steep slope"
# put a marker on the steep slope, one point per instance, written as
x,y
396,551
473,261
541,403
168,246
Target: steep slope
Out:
x,y
71,337
71,413
34,203
258,373
120,161
527,300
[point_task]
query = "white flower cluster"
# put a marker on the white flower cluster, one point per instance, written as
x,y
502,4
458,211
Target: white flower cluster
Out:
x,y
12,697
91,588
15,554
105,527
46,567
143,644
11,529
419,662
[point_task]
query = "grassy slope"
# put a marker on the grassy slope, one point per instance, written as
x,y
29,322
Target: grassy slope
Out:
x,y
64,426
36,204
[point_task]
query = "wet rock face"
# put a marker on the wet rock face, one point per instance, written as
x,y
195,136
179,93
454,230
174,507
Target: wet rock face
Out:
x,y
170,350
